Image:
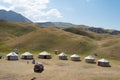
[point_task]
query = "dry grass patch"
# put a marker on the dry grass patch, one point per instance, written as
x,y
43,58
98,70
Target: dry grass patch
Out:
x,y
56,69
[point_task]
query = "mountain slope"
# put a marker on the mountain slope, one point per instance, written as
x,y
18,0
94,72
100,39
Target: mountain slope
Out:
x,y
13,16
110,47
56,24
32,37
51,39
12,30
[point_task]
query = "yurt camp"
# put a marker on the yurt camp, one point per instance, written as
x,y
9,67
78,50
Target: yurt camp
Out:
x,y
62,56
12,56
103,63
27,56
75,57
90,59
44,55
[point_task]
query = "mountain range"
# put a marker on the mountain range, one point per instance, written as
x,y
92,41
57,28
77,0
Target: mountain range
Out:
x,y
13,16
16,17
57,24
70,26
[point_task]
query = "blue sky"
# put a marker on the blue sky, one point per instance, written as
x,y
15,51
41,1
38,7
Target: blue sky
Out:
x,y
98,13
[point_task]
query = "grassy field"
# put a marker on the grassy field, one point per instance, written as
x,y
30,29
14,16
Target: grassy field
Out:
x,y
56,69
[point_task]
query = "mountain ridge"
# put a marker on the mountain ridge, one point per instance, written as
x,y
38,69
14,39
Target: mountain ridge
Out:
x,y
65,26
13,16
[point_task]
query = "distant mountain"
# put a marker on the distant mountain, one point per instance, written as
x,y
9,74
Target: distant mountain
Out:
x,y
57,24
81,28
13,16
98,30
78,28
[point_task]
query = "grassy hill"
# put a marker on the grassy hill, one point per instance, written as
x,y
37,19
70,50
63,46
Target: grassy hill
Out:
x,y
51,39
11,31
32,37
107,45
110,47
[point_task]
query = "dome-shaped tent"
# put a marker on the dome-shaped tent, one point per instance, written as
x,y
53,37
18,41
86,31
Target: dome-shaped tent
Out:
x,y
26,56
103,63
90,59
62,56
12,56
75,57
44,55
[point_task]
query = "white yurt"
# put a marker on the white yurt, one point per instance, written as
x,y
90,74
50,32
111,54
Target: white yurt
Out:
x,y
75,57
90,59
12,56
62,56
27,56
103,63
44,55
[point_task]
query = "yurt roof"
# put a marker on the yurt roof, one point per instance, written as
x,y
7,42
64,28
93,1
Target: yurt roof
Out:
x,y
89,57
12,54
44,53
27,53
103,60
62,54
74,55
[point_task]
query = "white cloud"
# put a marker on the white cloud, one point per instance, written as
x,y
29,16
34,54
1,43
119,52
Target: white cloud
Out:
x,y
54,12
7,1
36,10
2,7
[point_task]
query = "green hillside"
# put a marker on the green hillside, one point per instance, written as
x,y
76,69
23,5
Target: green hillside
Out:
x,y
110,47
51,39
10,31
32,37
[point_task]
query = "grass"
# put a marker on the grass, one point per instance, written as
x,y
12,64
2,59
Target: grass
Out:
x,y
31,37
56,69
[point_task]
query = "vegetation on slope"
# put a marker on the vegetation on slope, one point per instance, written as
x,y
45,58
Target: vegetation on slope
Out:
x,y
10,30
110,47
32,37
51,39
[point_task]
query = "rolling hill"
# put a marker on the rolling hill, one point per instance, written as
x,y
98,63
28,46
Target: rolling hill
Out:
x,y
85,28
56,24
32,37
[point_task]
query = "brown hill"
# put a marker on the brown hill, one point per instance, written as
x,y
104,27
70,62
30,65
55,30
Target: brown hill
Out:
x,y
32,37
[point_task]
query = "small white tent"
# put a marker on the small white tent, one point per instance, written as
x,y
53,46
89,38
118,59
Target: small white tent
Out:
x,y
103,63
75,57
62,56
12,56
90,59
26,56
44,55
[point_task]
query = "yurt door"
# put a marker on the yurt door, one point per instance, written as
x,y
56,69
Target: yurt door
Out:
x,y
8,57
45,57
25,57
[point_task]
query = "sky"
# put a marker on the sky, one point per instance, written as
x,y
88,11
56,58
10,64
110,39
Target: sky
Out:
x,y
96,13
